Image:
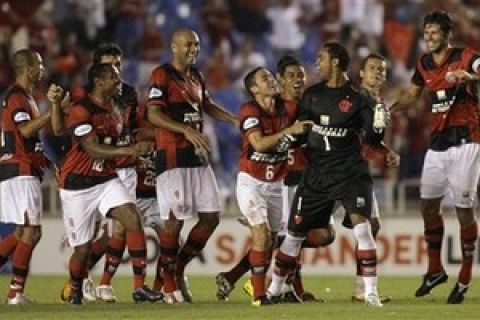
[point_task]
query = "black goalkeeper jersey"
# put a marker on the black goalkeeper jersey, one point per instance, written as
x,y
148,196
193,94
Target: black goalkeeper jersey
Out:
x,y
340,115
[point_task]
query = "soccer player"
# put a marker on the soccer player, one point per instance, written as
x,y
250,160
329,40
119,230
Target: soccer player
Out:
x,y
21,169
185,183
112,238
449,75
147,203
267,133
89,184
373,74
125,167
336,170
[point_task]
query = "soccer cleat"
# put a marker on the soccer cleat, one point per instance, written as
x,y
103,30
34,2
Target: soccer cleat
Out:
x,y
146,294
373,300
430,281
174,297
248,288
310,297
361,298
75,299
105,293
262,301
88,289
223,287
458,294
182,283
19,299
291,297
66,291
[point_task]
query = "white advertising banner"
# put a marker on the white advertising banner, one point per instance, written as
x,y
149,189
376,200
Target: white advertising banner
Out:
x,y
401,250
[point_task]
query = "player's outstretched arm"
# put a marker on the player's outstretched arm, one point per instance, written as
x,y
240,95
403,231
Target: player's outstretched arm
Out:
x,y
407,98
219,113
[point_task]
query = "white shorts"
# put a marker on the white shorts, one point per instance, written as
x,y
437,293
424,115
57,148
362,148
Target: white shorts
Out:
x,y
81,208
21,201
128,176
148,208
457,169
186,191
260,201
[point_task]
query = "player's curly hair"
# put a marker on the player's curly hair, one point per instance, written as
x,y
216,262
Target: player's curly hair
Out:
x,y
106,49
98,71
442,18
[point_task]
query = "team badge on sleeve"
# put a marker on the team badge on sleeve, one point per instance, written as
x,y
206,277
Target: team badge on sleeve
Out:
x,y
21,116
249,123
82,130
155,93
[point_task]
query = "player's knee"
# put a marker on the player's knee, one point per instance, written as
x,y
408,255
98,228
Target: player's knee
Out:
x,y
118,230
130,218
209,220
319,238
81,252
430,208
31,235
260,237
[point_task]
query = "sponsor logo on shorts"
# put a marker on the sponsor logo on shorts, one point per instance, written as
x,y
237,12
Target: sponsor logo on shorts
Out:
x,y
360,202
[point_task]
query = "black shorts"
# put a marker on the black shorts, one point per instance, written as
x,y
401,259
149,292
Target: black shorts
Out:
x,y
316,196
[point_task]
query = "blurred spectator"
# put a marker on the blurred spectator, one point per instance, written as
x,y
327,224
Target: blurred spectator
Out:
x,y
250,16
286,36
218,24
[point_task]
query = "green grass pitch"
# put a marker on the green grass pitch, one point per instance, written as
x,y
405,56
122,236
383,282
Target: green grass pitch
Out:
x,y
335,290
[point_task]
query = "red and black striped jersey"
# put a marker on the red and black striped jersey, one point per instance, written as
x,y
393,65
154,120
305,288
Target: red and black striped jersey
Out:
x,y
89,118
265,166
297,159
19,156
182,97
145,167
454,115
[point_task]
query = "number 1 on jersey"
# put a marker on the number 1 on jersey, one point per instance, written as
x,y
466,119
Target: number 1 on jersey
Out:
x,y
327,143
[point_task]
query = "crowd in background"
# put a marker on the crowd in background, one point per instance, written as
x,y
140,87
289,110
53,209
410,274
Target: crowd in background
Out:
x,y
236,36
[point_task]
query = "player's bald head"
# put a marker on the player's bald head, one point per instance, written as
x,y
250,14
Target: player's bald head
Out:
x,y
24,58
181,34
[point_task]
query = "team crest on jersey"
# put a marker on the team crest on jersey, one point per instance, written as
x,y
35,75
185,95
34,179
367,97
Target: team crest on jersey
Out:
x,y
250,123
155,93
324,120
345,105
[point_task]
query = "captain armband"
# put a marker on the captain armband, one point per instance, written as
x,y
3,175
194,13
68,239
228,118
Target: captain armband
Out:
x,y
285,143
